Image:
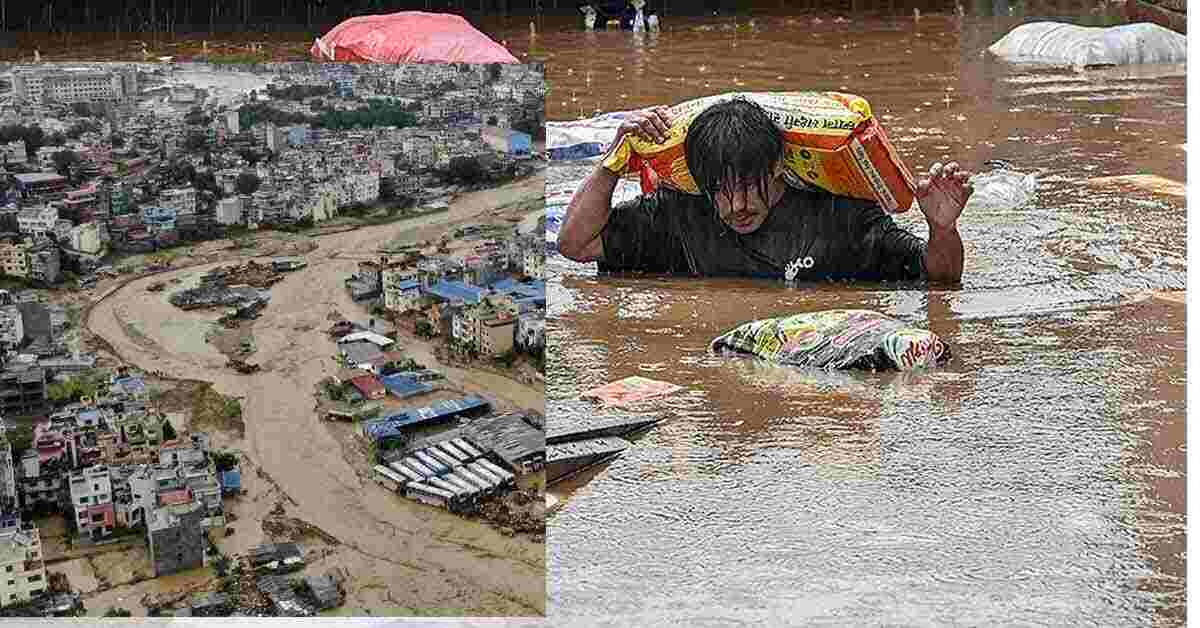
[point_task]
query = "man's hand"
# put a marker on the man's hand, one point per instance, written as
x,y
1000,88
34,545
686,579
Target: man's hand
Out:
x,y
943,195
651,124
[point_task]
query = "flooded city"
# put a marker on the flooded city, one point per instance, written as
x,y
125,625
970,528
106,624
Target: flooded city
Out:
x,y
1038,479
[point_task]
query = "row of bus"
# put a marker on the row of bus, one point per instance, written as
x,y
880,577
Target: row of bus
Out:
x,y
450,474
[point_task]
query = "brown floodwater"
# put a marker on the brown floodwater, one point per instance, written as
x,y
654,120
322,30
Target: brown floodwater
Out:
x,y
1037,480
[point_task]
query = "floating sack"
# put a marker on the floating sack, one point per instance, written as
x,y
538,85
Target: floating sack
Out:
x,y
1083,46
409,37
631,389
836,339
832,141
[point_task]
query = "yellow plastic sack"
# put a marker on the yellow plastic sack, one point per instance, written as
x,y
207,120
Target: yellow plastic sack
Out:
x,y
831,141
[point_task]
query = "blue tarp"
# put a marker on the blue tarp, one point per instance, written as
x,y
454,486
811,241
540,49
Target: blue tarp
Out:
x,y
391,426
451,290
409,284
231,480
131,385
402,387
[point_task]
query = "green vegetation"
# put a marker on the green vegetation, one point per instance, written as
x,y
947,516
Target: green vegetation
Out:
x,y
83,126
423,329
93,109
376,113
297,92
73,389
117,612
224,460
247,183
168,431
33,136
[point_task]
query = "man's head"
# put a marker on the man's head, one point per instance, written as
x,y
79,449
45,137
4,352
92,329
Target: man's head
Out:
x,y
734,152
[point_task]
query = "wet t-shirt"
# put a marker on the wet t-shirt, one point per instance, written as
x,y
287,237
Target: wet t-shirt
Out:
x,y
809,235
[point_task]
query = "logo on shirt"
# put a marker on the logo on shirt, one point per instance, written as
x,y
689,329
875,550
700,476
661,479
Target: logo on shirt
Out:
x,y
792,269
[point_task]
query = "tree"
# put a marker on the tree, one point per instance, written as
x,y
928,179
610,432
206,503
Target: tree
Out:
x,y
493,121
195,141
168,431
224,460
73,389
116,140
247,183
56,139
495,71
252,157
466,170
117,612
65,162
423,329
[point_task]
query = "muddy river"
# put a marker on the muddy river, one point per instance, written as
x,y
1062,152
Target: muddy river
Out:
x,y
1038,480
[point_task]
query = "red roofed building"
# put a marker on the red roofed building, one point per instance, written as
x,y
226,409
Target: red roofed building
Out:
x,y
369,387
177,496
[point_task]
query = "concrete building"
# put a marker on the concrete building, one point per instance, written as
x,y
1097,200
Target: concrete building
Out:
x,y
85,238
90,493
40,483
12,328
22,391
533,264
176,536
45,262
14,152
401,289
22,570
14,259
229,211
233,122
182,200
35,85
37,221
10,504
531,332
495,333
40,187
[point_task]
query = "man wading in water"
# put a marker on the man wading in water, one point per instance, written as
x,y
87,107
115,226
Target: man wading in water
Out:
x,y
750,221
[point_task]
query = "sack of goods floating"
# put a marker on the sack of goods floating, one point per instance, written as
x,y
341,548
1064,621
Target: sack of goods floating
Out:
x,y
836,339
831,140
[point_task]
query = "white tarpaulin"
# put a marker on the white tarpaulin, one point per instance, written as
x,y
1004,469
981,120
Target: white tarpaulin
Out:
x,y
1082,46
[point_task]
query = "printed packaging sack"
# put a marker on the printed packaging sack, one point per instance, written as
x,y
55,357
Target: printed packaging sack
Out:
x,y
836,339
831,141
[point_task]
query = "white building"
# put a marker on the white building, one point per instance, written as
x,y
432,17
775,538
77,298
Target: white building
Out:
x,y
91,498
69,86
14,152
12,328
37,221
233,122
86,238
401,289
229,211
531,331
533,264
182,200
23,574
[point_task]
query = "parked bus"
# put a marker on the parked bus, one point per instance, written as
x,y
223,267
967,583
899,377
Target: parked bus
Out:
x,y
406,472
389,479
461,500
495,468
443,457
467,447
466,473
458,454
463,484
427,494
438,467
486,474
419,467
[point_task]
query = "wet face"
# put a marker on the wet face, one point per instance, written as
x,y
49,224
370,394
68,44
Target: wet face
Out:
x,y
743,205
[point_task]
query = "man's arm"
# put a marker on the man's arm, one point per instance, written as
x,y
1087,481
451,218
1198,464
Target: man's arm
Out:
x,y
587,214
942,198
580,237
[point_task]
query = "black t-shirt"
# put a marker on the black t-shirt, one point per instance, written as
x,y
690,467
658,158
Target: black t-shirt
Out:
x,y
810,235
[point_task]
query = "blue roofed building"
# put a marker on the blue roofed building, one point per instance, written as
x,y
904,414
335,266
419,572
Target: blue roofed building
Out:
x,y
519,143
457,291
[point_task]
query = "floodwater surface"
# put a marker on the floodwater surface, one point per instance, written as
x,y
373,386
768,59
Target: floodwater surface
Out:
x,y
1037,480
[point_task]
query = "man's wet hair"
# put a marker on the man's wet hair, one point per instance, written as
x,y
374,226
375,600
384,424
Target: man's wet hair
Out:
x,y
733,141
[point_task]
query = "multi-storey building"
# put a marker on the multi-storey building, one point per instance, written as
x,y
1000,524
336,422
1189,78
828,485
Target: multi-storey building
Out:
x,y
38,221
12,328
90,491
45,262
86,238
22,570
229,211
14,258
182,200
69,86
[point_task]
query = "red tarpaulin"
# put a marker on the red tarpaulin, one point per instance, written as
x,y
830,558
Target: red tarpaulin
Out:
x,y
409,37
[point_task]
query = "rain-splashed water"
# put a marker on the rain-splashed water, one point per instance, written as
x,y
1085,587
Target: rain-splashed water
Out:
x,y
1038,480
